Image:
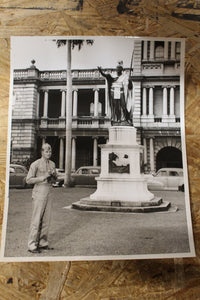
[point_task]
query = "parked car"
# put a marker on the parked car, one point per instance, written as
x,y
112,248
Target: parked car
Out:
x,y
166,179
17,176
83,176
86,175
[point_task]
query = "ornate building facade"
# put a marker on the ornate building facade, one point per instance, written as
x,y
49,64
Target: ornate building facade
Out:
x,y
39,109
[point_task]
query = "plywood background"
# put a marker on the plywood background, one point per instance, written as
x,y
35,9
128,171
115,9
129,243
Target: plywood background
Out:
x,y
107,280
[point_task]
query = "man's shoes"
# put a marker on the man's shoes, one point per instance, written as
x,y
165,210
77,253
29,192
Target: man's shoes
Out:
x,y
46,248
34,250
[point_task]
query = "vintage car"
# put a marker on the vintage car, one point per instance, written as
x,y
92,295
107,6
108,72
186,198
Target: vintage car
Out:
x,y
166,179
17,176
86,175
83,176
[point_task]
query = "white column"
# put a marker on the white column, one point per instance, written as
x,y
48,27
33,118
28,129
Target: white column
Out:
x,y
107,105
43,140
173,50
106,100
145,50
73,154
151,155
95,151
151,101
96,101
45,112
166,47
63,101
75,103
144,106
61,153
152,49
172,101
164,101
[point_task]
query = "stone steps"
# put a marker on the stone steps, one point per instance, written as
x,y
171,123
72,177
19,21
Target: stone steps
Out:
x,y
163,206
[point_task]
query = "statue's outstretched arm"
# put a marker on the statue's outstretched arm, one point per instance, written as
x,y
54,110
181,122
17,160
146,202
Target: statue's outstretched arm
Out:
x,y
101,71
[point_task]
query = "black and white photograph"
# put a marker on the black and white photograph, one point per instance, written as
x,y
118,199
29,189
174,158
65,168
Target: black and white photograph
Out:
x,y
96,161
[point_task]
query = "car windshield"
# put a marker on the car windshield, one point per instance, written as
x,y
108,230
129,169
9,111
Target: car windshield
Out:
x,y
19,170
162,173
84,171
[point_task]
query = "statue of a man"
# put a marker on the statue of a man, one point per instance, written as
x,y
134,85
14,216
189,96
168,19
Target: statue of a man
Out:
x,y
120,93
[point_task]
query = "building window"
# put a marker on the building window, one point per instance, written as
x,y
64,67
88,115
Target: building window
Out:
x,y
168,101
102,102
169,49
147,101
85,98
177,103
54,104
159,50
142,50
41,104
158,102
148,50
178,50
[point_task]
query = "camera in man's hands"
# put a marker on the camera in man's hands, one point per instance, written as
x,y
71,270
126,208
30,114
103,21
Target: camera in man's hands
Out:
x,y
52,177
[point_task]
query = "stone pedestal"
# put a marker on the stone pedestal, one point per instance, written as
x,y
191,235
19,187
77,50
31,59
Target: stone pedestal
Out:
x,y
120,186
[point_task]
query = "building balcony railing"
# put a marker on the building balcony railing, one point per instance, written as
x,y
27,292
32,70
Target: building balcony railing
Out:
x,y
52,123
77,122
21,74
157,120
88,122
160,67
152,121
160,120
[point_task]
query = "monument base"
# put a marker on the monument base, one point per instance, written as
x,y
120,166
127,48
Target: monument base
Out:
x,y
156,205
121,186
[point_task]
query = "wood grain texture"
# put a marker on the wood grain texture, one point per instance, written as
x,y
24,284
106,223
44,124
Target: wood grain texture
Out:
x,y
106,280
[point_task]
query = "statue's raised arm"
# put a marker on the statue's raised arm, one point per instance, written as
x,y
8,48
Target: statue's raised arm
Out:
x,y
106,75
101,71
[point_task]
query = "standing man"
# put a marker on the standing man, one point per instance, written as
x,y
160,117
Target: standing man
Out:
x,y
120,94
41,174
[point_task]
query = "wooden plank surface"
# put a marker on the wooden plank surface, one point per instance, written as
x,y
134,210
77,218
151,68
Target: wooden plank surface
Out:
x,y
139,279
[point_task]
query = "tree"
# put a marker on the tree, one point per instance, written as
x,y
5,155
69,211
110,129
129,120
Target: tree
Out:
x,y
70,45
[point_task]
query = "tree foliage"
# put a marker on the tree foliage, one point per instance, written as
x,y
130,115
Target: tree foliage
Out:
x,y
78,43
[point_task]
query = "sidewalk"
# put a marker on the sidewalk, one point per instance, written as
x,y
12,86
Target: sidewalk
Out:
x,y
84,233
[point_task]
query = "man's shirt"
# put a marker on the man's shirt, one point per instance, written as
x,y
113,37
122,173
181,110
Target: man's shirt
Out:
x,y
38,169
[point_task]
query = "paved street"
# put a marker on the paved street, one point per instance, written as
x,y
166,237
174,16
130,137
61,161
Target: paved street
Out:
x,y
83,233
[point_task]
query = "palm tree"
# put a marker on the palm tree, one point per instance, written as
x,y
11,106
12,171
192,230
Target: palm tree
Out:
x,y
70,45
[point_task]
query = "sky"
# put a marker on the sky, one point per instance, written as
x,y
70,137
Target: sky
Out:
x,y
105,52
